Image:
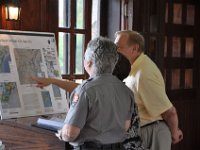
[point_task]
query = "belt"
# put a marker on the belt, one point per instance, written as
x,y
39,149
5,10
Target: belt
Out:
x,y
151,123
100,146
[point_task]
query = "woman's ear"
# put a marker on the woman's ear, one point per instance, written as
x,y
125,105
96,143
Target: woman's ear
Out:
x,y
89,63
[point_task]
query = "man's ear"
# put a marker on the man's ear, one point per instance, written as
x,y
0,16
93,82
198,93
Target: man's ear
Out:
x,y
135,47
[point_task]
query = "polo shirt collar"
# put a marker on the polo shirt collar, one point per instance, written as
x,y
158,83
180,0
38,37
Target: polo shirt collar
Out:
x,y
138,60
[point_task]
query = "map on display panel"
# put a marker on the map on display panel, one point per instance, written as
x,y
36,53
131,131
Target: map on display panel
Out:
x,y
23,55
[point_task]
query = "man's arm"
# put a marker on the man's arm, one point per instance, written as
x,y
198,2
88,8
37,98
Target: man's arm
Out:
x,y
66,85
171,118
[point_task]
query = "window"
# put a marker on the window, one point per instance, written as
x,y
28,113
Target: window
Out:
x,y
179,47
95,18
74,32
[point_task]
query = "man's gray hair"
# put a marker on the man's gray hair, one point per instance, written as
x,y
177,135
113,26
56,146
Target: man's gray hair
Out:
x,y
103,53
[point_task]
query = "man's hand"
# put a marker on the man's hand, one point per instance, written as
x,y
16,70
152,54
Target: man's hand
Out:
x,y
171,118
177,136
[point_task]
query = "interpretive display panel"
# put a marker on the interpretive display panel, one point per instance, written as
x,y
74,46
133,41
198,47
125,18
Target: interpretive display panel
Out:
x,y
23,55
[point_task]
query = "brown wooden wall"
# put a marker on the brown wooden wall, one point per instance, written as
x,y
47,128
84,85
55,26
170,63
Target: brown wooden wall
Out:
x,y
41,15
36,15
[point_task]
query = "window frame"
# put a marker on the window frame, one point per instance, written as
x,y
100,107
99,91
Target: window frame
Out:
x,y
72,30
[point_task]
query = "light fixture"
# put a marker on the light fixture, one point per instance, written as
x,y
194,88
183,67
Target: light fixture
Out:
x,y
13,10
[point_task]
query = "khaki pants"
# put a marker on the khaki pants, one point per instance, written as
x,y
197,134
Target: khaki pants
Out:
x,y
156,136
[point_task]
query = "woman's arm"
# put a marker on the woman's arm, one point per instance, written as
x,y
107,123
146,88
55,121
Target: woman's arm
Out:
x,y
66,85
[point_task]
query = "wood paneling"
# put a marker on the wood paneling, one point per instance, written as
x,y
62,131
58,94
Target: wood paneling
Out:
x,y
173,61
31,15
36,15
189,120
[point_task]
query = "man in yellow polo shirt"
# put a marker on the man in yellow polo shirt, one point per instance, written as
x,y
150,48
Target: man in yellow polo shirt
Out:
x,y
159,120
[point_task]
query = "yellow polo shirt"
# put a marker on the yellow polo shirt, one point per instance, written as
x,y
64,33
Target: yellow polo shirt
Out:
x,y
147,84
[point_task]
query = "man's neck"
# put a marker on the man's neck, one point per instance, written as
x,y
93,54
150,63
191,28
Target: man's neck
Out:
x,y
136,57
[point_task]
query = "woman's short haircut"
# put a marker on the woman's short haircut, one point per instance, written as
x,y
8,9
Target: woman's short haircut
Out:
x,y
103,53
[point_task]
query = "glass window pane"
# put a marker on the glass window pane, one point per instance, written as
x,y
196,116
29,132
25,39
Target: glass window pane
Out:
x,y
176,47
188,78
175,82
190,14
153,16
177,18
124,14
80,14
79,81
63,52
189,47
130,15
64,13
152,47
95,18
79,53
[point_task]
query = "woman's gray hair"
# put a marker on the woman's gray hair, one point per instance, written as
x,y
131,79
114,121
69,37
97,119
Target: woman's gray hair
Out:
x,y
103,53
